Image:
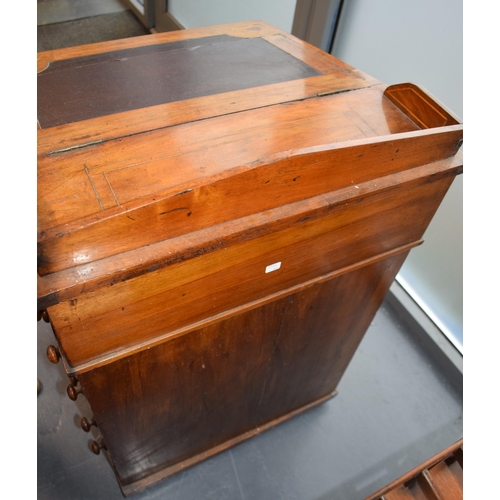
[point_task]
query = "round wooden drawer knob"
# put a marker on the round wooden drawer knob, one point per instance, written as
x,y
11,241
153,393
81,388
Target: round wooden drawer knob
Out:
x,y
73,391
86,425
42,314
53,354
96,447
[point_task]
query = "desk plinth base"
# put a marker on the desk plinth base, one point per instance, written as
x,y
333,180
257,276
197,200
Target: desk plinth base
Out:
x,y
142,484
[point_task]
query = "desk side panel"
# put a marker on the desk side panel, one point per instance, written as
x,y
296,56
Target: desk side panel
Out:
x,y
193,393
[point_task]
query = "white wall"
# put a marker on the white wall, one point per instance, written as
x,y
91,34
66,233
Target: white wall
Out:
x,y
400,41
197,13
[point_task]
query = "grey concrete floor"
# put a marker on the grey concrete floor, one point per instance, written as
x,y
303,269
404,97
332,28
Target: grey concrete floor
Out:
x,y
395,409
56,11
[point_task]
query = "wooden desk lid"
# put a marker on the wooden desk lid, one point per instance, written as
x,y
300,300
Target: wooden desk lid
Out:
x,y
145,139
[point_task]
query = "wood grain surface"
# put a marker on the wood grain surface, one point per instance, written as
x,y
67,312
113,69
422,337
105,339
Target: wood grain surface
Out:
x,y
127,313
440,477
94,194
221,212
196,391
70,283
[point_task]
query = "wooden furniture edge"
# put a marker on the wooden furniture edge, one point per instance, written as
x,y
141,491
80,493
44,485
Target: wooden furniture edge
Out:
x,y
417,470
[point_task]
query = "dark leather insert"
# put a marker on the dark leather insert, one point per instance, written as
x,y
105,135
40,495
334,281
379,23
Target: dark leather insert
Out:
x,y
78,89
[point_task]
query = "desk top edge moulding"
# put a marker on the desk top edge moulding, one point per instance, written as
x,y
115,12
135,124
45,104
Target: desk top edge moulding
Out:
x,y
211,203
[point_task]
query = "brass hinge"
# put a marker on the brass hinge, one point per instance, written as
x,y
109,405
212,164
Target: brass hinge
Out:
x,y
77,146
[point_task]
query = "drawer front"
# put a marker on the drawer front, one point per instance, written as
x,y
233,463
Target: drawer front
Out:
x,y
99,325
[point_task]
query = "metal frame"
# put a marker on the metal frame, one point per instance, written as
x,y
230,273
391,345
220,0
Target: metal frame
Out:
x,y
164,20
147,17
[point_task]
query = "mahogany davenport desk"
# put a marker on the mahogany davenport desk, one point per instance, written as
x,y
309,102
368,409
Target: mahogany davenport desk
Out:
x,y
221,212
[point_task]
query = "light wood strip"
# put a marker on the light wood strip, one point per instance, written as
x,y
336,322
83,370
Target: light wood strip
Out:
x,y
309,54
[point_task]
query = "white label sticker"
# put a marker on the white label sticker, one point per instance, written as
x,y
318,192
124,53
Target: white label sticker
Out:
x,y
273,267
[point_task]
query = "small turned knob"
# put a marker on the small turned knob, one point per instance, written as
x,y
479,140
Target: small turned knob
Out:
x,y
53,354
73,391
86,425
45,316
97,446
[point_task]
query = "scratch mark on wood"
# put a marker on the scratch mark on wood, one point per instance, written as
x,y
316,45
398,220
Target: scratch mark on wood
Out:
x,y
355,117
183,192
331,92
111,189
174,210
93,187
